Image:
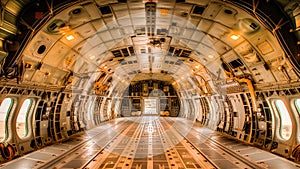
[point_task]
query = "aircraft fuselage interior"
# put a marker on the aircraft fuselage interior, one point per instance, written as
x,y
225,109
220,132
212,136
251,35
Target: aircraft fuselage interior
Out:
x,y
231,67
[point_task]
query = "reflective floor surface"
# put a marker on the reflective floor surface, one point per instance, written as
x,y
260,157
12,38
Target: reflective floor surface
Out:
x,y
150,142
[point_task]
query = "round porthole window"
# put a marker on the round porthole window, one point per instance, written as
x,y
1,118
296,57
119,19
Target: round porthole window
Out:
x,y
41,49
227,11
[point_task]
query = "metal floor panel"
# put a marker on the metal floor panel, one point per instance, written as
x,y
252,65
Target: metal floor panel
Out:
x,y
248,150
260,156
75,164
22,164
130,144
39,156
279,164
212,154
53,150
225,164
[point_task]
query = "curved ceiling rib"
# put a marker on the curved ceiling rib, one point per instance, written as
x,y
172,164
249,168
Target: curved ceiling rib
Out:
x,y
105,45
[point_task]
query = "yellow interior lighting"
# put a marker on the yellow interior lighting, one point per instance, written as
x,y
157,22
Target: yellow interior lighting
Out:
x,y
70,37
235,37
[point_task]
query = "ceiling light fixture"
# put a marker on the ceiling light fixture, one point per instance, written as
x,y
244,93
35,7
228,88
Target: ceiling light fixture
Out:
x,y
70,37
92,57
164,12
235,37
197,67
210,56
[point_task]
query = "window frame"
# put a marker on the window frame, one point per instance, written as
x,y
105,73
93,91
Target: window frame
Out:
x,y
296,105
28,118
296,113
280,120
9,111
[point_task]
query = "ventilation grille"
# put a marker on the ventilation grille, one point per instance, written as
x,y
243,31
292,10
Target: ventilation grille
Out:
x,y
198,10
105,10
236,63
178,62
177,52
162,31
124,52
128,62
134,72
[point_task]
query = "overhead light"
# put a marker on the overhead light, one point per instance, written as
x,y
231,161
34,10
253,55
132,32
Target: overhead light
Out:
x,y
92,57
235,37
164,12
210,56
197,67
70,37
